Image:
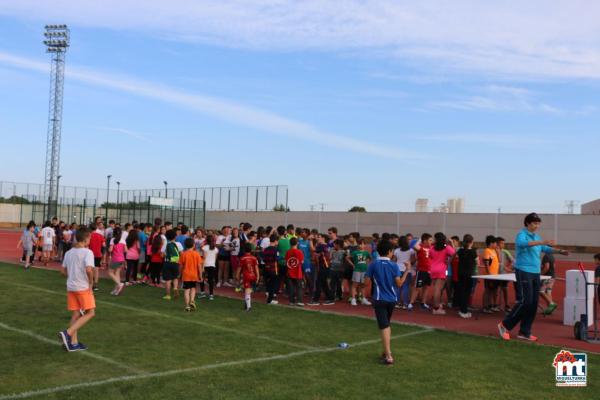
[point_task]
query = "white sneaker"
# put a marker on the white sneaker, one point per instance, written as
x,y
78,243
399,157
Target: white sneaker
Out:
x,y
274,302
464,315
365,302
120,289
219,284
353,302
409,307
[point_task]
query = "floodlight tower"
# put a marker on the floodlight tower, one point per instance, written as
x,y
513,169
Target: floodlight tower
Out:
x,y
57,42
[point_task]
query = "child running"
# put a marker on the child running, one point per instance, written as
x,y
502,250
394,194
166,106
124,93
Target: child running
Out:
x,y
250,274
27,243
191,271
78,267
117,250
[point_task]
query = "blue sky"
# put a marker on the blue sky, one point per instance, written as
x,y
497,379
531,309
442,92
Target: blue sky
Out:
x,y
370,103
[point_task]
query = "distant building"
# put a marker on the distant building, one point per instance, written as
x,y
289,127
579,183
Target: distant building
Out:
x,y
455,206
593,207
422,205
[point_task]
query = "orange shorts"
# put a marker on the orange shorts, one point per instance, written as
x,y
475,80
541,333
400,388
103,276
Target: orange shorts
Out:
x,y
83,300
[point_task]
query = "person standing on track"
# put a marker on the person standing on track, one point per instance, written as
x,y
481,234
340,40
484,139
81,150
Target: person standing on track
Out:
x,y
529,246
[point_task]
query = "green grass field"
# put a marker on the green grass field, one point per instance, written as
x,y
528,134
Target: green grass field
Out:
x,y
142,347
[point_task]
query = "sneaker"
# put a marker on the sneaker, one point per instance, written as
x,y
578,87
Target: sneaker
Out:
x,y
120,289
507,310
529,338
193,306
300,304
328,303
314,303
353,302
388,361
550,309
227,284
464,315
495,309
65,339
211,297
469,314
425,306
409,307
128,283
114,292
219,285
166,297
239,289
273,302
365,302
81,312
80,347
201,295
487,310
504,333
188,309
449,304
95,288
439,311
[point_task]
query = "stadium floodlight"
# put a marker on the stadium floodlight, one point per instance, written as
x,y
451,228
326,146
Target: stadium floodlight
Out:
x,y
56,42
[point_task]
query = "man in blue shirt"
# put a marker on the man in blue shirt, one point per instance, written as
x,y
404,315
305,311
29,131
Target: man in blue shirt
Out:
x,y
529,246
386,278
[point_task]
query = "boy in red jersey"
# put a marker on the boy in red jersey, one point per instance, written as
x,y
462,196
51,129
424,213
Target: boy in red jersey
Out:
x,y
293,260
250,274
97,242
423,279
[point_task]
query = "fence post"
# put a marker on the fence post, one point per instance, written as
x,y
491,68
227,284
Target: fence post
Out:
x,y
556,228
256,199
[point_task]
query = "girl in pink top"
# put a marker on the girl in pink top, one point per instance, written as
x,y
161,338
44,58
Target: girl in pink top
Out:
x,y
440,253
117,252
132,257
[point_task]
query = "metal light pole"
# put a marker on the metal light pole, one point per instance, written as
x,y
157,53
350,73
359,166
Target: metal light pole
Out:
x,y
165,183
107,197
57,42
118,202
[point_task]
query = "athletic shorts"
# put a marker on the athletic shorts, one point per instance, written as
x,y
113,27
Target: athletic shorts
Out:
x,y
116,265
491,284
423,279
348,272
170,271
547,286
97,261
383,312
189,284
235,262
248,281
142,257
47,247
82,300
27,253
224,257
358,277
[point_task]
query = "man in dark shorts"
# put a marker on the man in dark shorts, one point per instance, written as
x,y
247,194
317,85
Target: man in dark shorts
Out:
x,y
386,278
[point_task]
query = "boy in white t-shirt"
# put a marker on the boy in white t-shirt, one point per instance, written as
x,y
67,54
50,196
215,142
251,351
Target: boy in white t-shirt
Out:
x,y
48,237
78,267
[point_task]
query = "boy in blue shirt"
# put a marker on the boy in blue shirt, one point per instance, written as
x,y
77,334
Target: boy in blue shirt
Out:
x,y
529,246
386,278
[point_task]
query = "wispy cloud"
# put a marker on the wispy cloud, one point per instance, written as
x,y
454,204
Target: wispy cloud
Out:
x,y
496,140
498,98
225,110
127,132
530,39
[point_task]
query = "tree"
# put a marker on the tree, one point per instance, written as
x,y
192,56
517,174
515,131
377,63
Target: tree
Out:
x,y
357,209
281,208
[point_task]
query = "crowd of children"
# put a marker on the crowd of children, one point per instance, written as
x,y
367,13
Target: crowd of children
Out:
x,y
291,262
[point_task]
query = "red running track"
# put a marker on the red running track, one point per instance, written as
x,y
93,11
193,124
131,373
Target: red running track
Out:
x,y
549,330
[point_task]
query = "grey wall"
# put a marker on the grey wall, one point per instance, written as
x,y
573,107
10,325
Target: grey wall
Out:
x,y
572,230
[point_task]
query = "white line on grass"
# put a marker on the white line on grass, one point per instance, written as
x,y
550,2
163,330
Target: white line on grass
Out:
x,y
56,343
176,318
129,378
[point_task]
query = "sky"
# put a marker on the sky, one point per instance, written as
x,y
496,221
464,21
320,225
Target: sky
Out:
x,y
369,103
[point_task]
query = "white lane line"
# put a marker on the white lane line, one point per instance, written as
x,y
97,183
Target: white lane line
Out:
x,y
56,343
129,378
173,317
